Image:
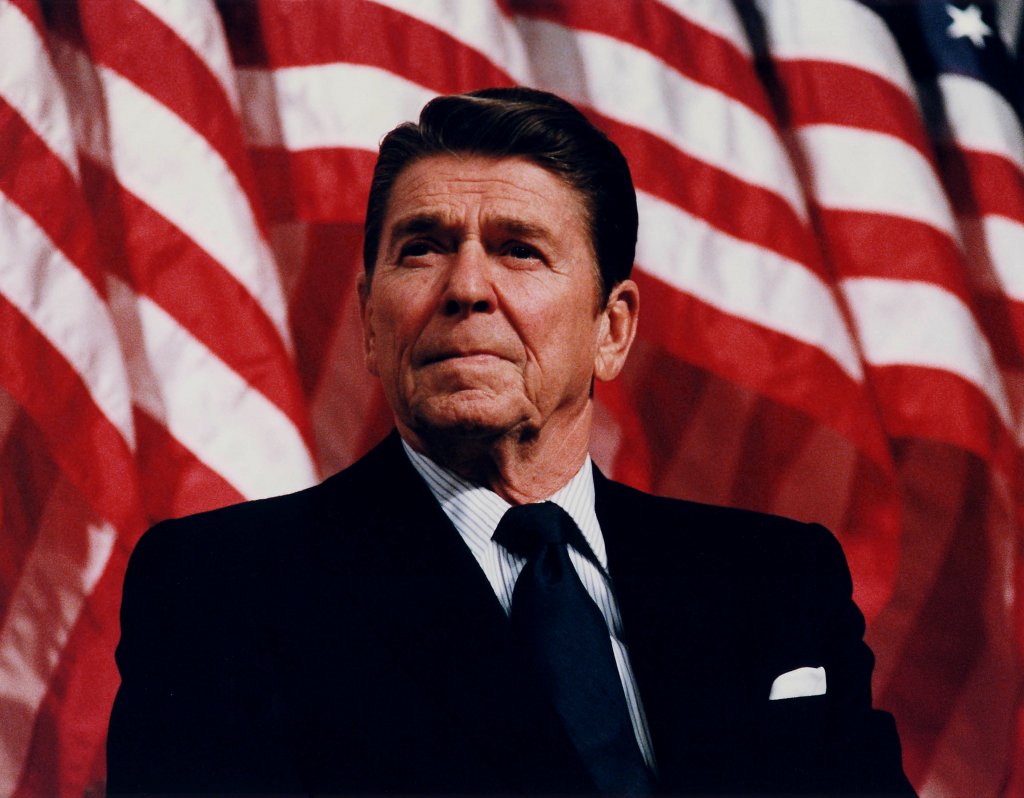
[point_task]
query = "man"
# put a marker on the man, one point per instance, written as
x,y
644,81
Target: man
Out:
x,y
472,608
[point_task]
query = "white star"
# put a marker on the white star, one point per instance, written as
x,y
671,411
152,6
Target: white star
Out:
x,y
968,22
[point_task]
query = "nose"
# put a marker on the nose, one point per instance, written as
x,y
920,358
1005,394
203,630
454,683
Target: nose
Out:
x,y
470,288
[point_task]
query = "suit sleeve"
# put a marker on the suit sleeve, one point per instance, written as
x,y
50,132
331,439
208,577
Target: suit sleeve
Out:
x,y
861,749
189,717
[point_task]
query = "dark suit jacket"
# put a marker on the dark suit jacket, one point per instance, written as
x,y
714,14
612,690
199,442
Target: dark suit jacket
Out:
x,y
343,640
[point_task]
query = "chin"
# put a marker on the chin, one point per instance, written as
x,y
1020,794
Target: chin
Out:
x,y
469,418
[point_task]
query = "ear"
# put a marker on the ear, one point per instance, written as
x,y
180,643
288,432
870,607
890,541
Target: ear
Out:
x,y
618,329
366,317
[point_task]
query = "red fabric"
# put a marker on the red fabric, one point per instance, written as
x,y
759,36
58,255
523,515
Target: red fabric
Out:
x,y
181,330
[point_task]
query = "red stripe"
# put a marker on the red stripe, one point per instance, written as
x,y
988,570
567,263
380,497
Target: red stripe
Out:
x,y
332,185
40,184
333,260
659,399
942,643
86,446
947,635
740,209
323,185
66,754
982,184
174,481
614,407
116,31
1014,781
691,50
1002,320
31,9
862,244
299,33
767,362
937,405
766,220
350,412
1001,317
28,476
160,262
870,533
826,93
773,439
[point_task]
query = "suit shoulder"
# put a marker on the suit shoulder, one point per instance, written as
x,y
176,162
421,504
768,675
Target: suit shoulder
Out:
x,y
724,522
251,520
725,539
272,526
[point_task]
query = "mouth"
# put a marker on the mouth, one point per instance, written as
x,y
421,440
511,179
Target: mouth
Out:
x,y
469,356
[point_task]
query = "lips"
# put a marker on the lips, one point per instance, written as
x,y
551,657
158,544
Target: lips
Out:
x,y
459,354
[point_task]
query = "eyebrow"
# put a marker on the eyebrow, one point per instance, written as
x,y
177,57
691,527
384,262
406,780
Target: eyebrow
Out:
x,y
416,224
521,229
431,222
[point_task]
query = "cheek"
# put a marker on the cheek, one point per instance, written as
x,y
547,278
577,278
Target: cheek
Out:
x,y
564,341
399,318
398,337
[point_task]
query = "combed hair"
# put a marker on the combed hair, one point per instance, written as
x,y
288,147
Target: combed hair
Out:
x,y
519,122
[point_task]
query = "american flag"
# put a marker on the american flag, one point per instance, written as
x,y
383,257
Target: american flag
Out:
x,y
831,259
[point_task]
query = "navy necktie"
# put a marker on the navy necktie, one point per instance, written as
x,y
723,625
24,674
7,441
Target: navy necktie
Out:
x,y
565,639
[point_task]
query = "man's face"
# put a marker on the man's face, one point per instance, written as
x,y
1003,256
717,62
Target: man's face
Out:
x,y
483,315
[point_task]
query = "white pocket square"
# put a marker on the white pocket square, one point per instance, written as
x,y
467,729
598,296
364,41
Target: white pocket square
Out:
x,y
799,683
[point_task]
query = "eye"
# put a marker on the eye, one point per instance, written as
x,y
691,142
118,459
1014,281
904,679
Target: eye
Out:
x,y
521,251
416,249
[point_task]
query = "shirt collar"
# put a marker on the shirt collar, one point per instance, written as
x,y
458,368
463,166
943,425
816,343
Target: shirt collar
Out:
x,y
475,510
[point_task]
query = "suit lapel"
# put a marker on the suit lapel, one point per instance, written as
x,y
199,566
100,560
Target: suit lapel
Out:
x,y
390,554
691,637
391,549
644,596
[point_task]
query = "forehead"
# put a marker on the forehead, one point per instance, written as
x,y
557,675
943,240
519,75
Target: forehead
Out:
x,y
453,188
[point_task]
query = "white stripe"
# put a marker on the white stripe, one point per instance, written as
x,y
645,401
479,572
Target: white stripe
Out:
x,y
175,171
627,83
49,598
331,105
835,31
715,17
980,119
904,322
480,25
51,292
1005,240
164,162
742,279
230,426
198,25
29,83
863,170
632,86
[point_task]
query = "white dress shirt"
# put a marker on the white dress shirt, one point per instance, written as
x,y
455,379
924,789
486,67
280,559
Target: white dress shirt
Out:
x,y
475,511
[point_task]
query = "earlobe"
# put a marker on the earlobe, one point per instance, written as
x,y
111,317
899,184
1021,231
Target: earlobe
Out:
x,y
618,329
366,318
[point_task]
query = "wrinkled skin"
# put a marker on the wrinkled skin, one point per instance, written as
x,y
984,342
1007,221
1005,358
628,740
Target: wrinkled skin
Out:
x,y
483,320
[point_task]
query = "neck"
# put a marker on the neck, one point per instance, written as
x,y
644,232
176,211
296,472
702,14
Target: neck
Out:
x,y
519,466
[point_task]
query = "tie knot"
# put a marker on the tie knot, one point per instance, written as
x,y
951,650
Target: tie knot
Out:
x,y
526,528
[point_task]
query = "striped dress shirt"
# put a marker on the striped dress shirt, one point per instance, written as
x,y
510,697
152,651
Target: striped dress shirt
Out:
x,y
475,511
